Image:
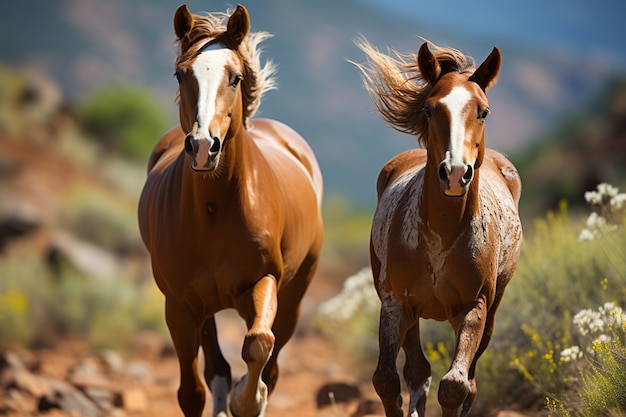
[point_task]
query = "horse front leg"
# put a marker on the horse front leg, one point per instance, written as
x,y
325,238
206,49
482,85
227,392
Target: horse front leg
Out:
x,y
217,371
416,372
457,384
250,394
491,319
185,334
391,332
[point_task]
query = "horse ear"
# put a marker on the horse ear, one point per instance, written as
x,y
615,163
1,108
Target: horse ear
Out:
x,y
238,25
183,21
487,73
428,64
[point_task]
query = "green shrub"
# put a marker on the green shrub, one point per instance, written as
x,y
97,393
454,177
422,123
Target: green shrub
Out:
x,y
37,305
125,119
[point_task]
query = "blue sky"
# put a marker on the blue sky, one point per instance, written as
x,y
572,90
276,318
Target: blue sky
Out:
x,y
592,28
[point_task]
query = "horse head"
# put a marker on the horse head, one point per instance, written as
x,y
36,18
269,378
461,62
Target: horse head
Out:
x,y
456,110
209,73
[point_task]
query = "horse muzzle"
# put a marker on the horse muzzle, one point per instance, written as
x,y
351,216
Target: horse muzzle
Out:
x,y
455,179
203,153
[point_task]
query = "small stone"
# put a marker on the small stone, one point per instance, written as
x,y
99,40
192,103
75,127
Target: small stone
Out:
x,y
132,399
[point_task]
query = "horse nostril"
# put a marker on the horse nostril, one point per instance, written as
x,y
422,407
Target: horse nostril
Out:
x,y
442,172
191,145
215,148
469,174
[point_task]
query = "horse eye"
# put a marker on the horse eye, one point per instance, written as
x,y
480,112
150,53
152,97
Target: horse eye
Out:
x,y
483,115
236,81
427,112
178,76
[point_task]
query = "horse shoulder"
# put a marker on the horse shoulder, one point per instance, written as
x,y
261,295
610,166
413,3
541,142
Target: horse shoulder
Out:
x,y
397,166
507,170
168,141
287,139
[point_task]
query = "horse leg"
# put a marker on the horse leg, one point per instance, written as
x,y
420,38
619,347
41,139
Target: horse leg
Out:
x,y
290,299
217,371
250,394
455,385
386,380
416,372
186,338
491,319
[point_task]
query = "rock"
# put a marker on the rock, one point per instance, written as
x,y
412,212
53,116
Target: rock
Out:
x,y
138,370
25,381
71,401
335,393
112,360
132,399
104,398
369,407
10,360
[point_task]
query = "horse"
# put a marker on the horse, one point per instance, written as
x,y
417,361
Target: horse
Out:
x,y
230,213
446,233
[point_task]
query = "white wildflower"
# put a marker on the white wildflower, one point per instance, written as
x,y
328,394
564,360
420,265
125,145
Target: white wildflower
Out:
x,y
618,202
588,322
593,197
607,190
358,296
595,221
585,235
571,354
603,338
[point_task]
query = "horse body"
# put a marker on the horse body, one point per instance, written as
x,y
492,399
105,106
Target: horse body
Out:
x,y
429,251
230,213
208,236
446,233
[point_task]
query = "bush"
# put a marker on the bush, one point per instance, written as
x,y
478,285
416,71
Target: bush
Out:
x,y
37,305
124,120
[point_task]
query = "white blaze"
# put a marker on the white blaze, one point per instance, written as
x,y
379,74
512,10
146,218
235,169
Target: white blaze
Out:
x,y
456,101
209,70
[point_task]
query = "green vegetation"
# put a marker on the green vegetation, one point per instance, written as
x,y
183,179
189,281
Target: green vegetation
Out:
x,y
124,120
39,304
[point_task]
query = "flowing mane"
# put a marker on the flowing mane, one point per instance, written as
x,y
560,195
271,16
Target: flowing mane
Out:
x,y
258,78
398,89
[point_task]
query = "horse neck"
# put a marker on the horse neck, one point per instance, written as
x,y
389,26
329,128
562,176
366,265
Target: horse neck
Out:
x,y
232,172
442,213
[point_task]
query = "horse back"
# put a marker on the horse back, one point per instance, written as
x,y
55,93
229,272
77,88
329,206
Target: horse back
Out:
x,y
498,163
396,167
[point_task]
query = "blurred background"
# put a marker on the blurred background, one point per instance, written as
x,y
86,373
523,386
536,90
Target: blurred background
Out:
x,y
86,90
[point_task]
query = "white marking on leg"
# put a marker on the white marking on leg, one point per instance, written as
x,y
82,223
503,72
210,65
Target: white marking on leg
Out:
x,y
219,389
420,392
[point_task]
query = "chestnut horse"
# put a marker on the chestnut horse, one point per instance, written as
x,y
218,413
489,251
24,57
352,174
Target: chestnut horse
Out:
x,y
230,213
446,233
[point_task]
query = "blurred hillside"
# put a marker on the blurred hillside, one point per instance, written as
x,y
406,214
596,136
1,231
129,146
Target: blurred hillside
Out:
x,y
89,44
586,149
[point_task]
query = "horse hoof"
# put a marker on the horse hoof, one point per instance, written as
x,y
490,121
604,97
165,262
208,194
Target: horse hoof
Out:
x,y
248,407
453,389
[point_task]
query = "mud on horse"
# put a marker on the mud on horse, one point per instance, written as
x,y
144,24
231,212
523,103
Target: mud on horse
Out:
x,y
446,233
230,213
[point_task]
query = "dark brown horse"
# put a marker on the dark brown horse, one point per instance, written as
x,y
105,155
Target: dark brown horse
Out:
x,y
230,213
446,234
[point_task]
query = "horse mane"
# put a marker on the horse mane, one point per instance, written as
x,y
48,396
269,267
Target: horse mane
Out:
x,y
397,87
257,78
